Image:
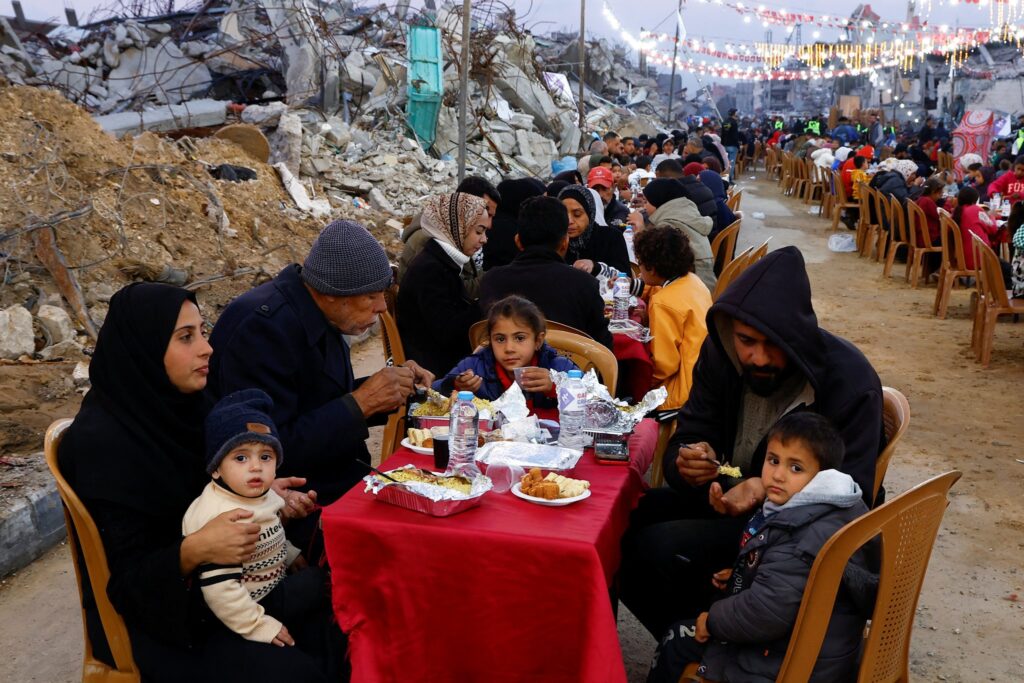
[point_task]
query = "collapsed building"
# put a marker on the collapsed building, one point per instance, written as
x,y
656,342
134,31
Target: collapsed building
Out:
x,y
127,142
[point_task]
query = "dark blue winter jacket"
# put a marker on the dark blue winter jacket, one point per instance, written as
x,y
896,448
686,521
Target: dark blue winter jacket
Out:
x,y
483,364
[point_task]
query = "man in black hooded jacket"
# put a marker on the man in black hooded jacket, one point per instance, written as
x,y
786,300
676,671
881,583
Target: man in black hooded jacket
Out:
x,y
764,357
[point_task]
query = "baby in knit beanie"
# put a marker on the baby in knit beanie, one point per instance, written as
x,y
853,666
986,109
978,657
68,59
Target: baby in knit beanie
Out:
x,y
243,454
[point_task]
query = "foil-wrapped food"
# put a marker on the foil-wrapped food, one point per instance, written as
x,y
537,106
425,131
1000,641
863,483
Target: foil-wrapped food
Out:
x,y
606,413
427,492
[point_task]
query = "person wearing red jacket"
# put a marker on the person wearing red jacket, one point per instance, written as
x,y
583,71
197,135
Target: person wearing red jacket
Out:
x,y
1010,185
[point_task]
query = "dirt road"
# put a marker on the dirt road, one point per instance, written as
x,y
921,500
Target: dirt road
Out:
x,y
969,627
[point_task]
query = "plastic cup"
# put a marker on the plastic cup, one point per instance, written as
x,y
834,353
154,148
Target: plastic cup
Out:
x,y
504,476
441,452
518,372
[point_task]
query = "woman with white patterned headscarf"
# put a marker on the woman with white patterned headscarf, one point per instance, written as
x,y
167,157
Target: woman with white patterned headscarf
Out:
x,y
434,309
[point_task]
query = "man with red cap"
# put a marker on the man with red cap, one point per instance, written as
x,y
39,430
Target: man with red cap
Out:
x,y
602,181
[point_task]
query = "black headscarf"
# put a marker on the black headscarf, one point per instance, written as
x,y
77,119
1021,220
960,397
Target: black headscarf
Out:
x,y
137,440
585,199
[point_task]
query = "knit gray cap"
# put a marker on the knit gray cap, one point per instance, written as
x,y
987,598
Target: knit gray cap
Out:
x,y
346,260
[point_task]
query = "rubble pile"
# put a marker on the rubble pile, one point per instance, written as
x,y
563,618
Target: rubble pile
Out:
x,y
310,99
86,214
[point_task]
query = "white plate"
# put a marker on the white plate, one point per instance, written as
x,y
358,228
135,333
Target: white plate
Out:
x,y
517,491
417,449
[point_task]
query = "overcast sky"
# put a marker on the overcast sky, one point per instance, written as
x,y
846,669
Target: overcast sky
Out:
x,y
704,21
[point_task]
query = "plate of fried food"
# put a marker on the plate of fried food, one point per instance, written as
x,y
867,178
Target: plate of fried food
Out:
x,y
554,490
419,441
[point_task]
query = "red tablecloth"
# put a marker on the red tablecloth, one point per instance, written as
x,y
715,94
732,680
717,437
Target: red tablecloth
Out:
x,y
636,369
507,592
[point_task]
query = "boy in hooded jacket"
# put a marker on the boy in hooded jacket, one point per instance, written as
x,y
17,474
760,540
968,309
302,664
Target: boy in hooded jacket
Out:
x,y
744,636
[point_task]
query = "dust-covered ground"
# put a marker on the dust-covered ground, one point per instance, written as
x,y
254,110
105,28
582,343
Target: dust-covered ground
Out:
x,y
970,625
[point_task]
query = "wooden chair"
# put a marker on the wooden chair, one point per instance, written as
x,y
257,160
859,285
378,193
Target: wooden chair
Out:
x,y
759,253
666,428
724,245
478,332
828,197
758,153
897,237
815,185
391,293
883,214
734,201
994,302
920,241
908,525
394,354
741,160
954,265
732,271
866,227
587,354
800,179
895,419
789,172
83,535
841,201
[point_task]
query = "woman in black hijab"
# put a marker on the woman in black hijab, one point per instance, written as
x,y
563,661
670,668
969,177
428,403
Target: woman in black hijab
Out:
x,y
596,249
134,455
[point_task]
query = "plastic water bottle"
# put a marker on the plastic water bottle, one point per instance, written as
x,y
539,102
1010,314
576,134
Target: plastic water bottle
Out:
x,y
621,296
463,428
572,411
627,234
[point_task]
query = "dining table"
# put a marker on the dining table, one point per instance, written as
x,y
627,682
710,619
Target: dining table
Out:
x,y
507,591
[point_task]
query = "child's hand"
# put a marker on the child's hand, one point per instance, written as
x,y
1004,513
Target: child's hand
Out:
x,y
468,381
298,564
585,265
702,635
720,579
284,638
536,380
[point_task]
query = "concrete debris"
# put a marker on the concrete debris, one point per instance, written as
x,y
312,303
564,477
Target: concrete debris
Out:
x,y
193,114
16,335
80,375
320,208
264,115
57,323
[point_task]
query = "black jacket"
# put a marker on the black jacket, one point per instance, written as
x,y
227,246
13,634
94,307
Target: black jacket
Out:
x,y
765,591
701,195
434,311
606,245
774,296
275,338
563,293
891,184
501,248
731,132
615,211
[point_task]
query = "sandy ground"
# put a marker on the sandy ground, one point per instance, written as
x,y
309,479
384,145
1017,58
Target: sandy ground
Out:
x,y
969,624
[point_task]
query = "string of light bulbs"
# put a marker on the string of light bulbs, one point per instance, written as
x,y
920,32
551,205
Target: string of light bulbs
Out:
x,y
732,72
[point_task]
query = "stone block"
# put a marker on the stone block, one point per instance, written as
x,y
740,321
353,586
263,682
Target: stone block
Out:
x,y
192,114
16,335
379,202
286,142
57,322
32,524
528,95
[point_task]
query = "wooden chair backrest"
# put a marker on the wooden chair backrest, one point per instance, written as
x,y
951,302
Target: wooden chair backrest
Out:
x,y
83,535
759,253
952,243
391,293
908,525
731,271
724,244
840,189
864,198
394,353
917,229
478,331
897,220
587,354
991,274
734,201
883,209
895,419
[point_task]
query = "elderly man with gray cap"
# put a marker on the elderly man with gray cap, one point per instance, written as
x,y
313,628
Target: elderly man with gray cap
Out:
x,y
285,337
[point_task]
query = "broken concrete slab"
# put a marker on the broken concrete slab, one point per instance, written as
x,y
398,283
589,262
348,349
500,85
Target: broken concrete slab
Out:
x,y
16,335
529,95
71,79
192,114
300,42
319,208
57,323
162,72
264,114
379,201
286,143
